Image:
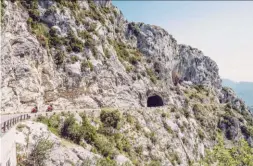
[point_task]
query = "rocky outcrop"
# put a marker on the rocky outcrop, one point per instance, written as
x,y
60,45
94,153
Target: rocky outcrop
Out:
x,y
227,95
195,67
62,152
108,62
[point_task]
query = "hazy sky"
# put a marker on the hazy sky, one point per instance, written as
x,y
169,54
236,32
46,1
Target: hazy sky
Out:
x,y
222,30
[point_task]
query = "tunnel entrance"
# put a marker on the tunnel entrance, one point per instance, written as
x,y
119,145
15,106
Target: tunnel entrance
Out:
x,y
155,101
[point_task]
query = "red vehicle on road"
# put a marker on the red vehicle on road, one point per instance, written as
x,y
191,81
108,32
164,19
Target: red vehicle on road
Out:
x,y
49,108
35,110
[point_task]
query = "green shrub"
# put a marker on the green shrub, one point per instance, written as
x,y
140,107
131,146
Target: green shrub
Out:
x,y
240,154
201,134
153,137
40,151
20,127
200,88
34,14
134,28
167,127
53,121
40,30
151,75
121,50
68,125
115,13
174,158
122,143
89,42
138,125
86,64
133,60
110,118
42,119
198,111
130,119
73,5
59,58
129,68
89,131
50,11
92,27
107,55
74,58
77,46
155,163
87,162
139,149
3,6
84,35
106,10
106,162
55,41
104,146
72,41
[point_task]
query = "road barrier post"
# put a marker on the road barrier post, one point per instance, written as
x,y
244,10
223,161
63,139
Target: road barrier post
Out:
x,y
4,128
7,125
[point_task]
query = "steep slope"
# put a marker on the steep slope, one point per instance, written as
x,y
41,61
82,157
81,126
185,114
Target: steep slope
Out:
x,y
164,136
87,55
84,54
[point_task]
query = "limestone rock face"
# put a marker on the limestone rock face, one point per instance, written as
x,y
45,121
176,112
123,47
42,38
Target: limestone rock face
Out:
x,y
227,95
23,60
91,58
195,67
159,48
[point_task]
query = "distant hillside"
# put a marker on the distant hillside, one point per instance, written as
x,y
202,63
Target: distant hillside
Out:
x,y
243,90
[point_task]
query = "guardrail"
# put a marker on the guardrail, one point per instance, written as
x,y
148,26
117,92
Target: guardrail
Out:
x,y
6,125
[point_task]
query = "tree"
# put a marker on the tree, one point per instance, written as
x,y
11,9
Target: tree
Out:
x,y
40,151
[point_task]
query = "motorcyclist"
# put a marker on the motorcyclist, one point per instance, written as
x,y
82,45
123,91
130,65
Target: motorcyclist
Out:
x,y
50,108
35,109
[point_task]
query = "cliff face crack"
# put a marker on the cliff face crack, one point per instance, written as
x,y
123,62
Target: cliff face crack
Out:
x,y
155,101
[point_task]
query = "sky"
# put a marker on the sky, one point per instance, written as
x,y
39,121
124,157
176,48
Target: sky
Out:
x,y
223,30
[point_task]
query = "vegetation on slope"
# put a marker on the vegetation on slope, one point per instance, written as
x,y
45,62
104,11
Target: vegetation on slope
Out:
x,y
106,140
239,155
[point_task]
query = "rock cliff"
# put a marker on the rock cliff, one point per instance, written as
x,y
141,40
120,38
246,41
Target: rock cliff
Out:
x,y
85,54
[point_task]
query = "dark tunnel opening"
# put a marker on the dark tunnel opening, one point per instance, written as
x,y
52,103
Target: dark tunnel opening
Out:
x,y
155,101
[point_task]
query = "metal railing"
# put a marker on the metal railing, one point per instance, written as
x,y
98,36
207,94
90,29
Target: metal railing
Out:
x,y
6,125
